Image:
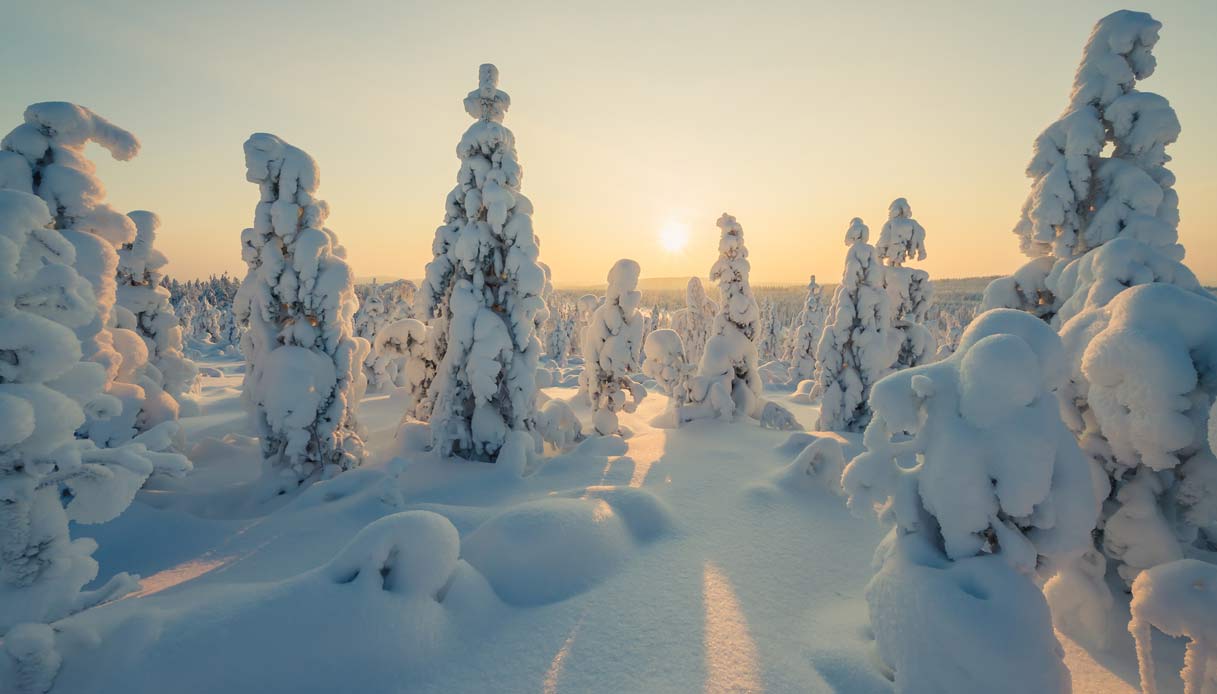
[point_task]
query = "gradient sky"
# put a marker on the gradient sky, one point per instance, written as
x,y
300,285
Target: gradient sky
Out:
x,y
629,116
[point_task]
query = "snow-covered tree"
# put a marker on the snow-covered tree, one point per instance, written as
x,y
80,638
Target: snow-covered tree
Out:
x,y
141,293
999,484
47,476
728,376
769,337
482,293
612,348
806,335
1098,172
304,376
403,360
855,348
694,322
1100,225
902,239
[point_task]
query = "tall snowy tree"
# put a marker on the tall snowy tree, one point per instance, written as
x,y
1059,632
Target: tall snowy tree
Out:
x,y
902,239
612,347
856,346
980,510
47,476
728,376
806,334
141,293
304,376
482,293
1100,225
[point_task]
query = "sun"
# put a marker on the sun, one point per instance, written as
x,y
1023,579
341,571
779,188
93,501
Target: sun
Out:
x,y
674,236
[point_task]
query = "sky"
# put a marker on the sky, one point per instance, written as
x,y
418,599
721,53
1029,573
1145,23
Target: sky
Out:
x,y
637,123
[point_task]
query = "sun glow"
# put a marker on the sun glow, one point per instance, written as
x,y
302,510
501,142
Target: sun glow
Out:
x,y
674,236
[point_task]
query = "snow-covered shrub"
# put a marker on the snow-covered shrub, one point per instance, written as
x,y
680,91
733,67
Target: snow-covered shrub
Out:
x,y
558,424
855,349
999,482
612,348
304,375
141,293
901,239
47,476
694,322
728,377
1144,370
401,360
808,327
1179,599
482,294
32,658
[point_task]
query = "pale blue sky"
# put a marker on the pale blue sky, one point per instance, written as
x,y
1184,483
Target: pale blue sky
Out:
x,y
629,117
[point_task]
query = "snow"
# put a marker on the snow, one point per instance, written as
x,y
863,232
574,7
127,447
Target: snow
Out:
x,y
1180,599
612,348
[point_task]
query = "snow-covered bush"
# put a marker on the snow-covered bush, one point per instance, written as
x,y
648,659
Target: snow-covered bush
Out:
x,y
304,376
47,476
140,292
1179,599
728,377
806,335
694,322
855,349
998,482
558,424
482,294
400,360
612,348
902,239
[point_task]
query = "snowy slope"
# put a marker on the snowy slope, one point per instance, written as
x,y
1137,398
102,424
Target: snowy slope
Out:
x,y
679,561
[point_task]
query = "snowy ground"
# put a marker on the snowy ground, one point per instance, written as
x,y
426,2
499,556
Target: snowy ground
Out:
x,y
682,560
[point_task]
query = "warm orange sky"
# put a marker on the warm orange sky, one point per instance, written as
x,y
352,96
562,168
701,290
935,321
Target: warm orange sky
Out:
x,y
629,117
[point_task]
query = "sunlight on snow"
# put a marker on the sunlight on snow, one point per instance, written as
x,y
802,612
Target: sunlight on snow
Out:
x,y
645,451
550,685
732,664
173,576
1090,676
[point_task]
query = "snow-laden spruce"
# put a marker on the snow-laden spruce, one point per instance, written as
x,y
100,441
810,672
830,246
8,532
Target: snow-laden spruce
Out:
x,y
403,360
808,327
694,322
141,296
728,379
381,305
903,239
612,349
481,296
47,476
855,349
45,156
1101,224
304,375
999,484
1098,172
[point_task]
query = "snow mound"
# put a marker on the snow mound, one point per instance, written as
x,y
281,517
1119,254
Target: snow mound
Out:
x,y
548,550
412,553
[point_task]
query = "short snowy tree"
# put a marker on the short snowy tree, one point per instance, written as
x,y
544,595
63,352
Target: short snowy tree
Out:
x,y
612,348
403,360
728,378
902,239
482,294
47,476
304,376
141,293
806,335
694,322
855,348
999,484
769,339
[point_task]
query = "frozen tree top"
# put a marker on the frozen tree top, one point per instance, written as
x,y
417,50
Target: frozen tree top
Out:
x,y
1118,53
858,232
273,163
488,102
73,126
902,237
